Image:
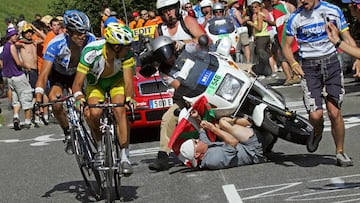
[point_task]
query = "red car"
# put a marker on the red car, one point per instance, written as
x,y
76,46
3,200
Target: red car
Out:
x,y
153,98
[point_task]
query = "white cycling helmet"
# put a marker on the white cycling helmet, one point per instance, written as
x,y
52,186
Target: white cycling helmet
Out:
x,y
253,1
116,33
166,3
75,20
206,3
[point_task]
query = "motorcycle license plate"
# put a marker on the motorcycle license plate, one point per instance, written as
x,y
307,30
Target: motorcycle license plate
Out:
x,y
160,103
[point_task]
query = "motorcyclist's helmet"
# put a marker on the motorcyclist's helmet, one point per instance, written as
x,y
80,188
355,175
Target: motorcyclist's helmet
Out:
x,y
218,7
163,48
162,5
75,20
254,1
206,3
116,33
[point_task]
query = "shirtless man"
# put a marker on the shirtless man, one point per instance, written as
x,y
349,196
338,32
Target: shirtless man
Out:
x,y
28,54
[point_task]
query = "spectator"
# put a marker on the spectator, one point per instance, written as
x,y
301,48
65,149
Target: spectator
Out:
x,y
17,81
240,145
153,19
144,15
137,22
37,16
319,67
262,38
54,30
281,12
240,21
206,10
333,34
28,54
21,22
9,23
189,9
197,9
46,19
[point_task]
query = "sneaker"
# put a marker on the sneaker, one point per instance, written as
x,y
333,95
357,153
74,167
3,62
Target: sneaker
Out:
x,y
314,144
36,125
126,168
27,126
161,163
343,160
16,123
68,145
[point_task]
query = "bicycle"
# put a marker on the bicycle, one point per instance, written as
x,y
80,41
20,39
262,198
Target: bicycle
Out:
x,y
84,147
111,166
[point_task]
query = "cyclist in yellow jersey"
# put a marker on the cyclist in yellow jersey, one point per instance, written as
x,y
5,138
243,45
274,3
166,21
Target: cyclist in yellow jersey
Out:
x,y
108,64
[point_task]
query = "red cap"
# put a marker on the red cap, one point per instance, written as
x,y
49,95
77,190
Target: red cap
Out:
x,y
135,14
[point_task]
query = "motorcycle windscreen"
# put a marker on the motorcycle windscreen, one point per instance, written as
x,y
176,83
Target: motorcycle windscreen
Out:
x,y
201,73
221,26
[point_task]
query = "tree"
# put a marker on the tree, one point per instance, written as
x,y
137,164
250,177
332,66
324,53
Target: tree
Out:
x,y
94,8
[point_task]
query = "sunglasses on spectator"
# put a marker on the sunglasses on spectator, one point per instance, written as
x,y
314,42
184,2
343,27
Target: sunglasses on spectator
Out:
x,y
188,7
218,11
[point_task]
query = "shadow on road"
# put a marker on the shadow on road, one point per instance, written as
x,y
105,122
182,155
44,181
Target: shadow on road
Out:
x,y
302,160
128,193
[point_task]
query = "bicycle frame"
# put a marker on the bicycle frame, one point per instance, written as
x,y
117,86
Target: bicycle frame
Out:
x,y
110,145
83,145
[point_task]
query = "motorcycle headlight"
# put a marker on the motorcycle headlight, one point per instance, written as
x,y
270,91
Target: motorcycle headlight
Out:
x,y
229,88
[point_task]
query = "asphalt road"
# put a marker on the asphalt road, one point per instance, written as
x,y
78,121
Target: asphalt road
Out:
x,y
34,167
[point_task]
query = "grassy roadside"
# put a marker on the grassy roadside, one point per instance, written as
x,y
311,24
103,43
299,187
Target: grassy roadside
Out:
x,y
13,8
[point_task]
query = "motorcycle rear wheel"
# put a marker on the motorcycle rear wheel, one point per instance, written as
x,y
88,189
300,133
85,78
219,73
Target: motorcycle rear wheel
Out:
x,y
294,129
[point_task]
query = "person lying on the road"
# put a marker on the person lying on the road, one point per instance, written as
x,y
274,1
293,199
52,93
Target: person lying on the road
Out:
x,y
241,145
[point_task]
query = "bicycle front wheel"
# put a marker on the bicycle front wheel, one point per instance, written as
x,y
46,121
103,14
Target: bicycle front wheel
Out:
x,y
84,151
117,173
109,164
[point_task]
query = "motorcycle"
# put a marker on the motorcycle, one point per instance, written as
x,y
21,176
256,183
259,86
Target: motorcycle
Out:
x,y
232,92
219,28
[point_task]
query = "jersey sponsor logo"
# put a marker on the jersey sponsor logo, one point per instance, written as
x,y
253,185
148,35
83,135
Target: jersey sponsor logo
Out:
x,y
90,56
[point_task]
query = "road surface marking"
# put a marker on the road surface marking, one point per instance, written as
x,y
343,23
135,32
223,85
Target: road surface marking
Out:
x,y
231,194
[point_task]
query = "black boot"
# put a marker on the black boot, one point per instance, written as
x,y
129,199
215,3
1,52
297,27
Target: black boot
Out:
x,y
161,163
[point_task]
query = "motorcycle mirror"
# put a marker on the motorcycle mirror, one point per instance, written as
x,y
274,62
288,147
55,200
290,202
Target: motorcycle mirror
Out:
x,y
203,41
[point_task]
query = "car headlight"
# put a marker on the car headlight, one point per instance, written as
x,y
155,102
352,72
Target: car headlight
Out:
x,y
229,88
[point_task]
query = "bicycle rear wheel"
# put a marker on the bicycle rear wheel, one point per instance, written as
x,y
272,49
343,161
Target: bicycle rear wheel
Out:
x,y
84,151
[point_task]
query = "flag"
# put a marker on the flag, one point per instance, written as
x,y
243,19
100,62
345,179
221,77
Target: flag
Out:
x,y
187,129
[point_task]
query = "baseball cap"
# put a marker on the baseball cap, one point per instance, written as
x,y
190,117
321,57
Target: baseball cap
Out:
x,y
135,14
187,150
46,19
10,32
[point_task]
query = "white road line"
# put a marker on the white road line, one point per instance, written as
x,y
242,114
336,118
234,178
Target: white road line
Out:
x,y
231,194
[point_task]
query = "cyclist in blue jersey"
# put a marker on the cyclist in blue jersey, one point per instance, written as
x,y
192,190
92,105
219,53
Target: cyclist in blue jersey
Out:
x,y
60,61
322,76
